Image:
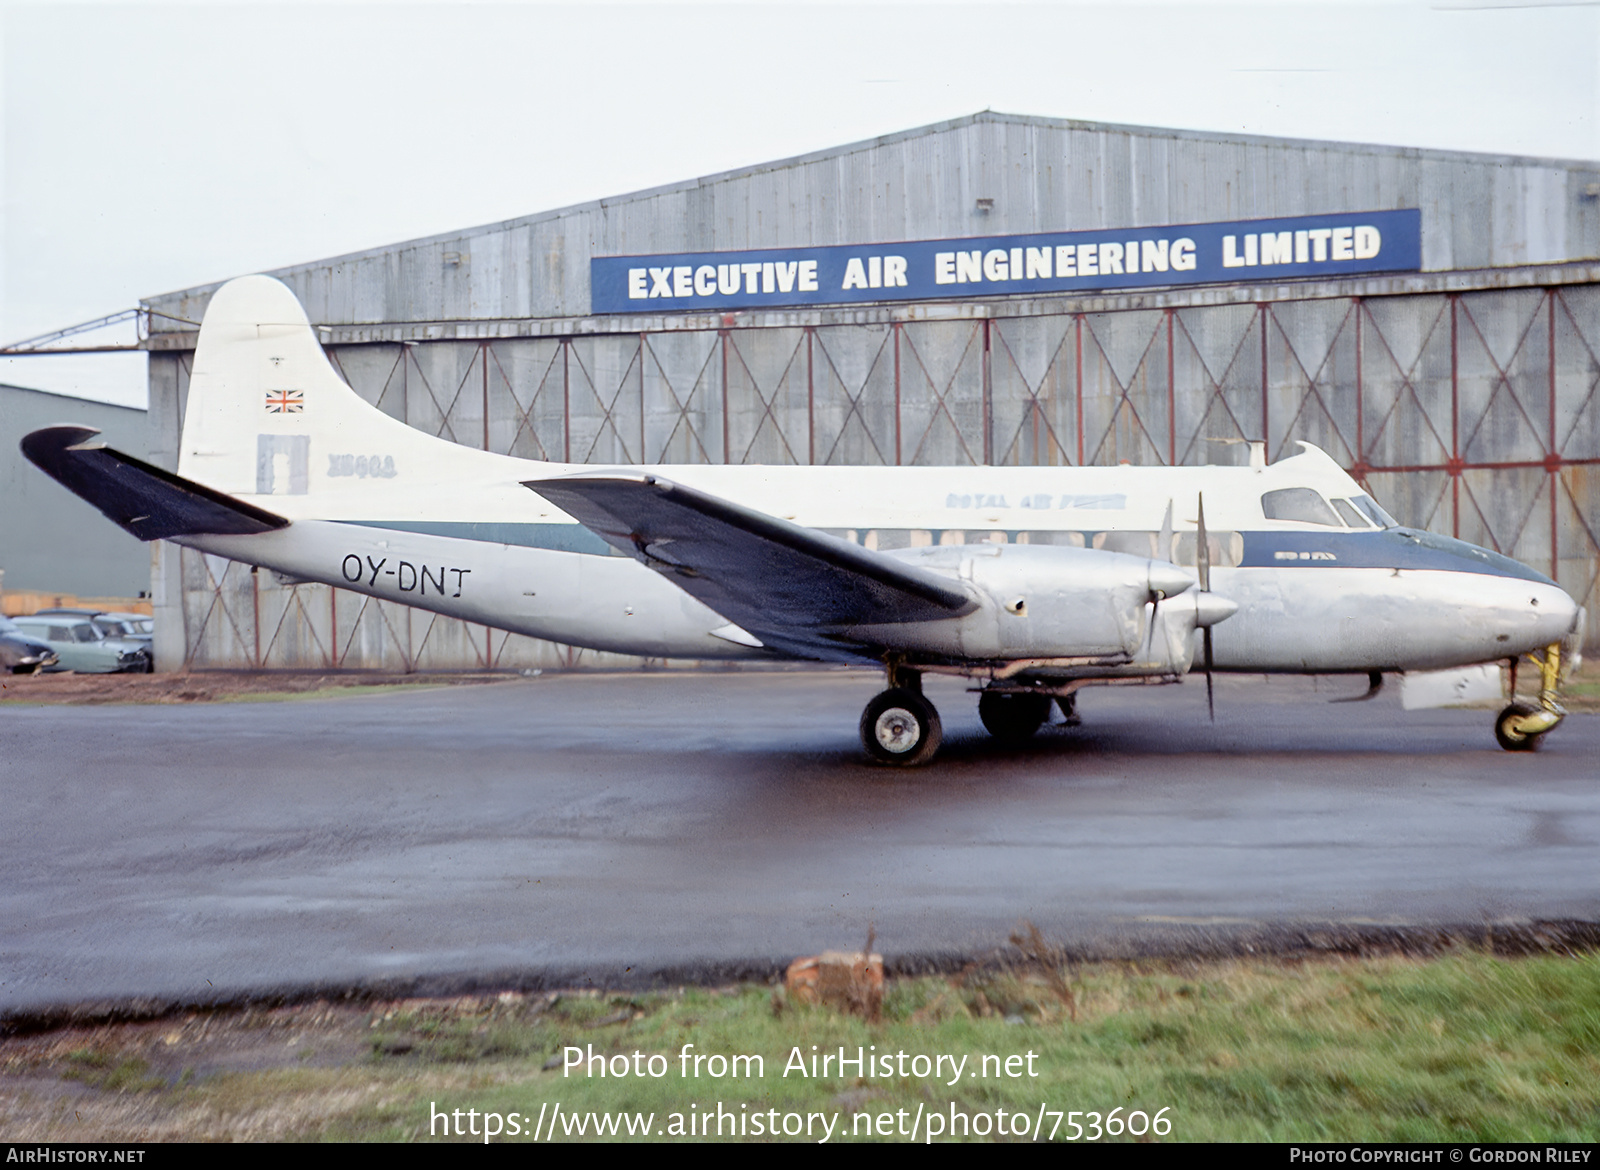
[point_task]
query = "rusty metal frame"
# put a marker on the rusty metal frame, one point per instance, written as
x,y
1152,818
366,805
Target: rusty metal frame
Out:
x,y
608,409
1124,399
525,413
730,343
1033,407
1215,393
940,403
854,400
682,421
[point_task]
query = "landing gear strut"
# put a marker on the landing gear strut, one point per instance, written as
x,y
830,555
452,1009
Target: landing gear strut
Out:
x,y
1521,727
900,726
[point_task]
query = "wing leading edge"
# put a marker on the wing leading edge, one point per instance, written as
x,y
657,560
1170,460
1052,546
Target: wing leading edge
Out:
x,y
797,589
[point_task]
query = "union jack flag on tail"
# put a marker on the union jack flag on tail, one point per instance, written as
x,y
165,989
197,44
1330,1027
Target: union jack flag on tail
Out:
x,y
285,401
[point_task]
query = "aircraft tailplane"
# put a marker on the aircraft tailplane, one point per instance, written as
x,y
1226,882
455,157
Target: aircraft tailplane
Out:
x,y
143,499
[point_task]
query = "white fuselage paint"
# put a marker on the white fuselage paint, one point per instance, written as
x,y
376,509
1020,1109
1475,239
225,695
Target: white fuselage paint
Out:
x,y
1309,615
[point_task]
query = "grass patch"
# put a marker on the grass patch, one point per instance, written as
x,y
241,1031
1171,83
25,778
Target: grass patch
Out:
x,y
1464,1048
110,1073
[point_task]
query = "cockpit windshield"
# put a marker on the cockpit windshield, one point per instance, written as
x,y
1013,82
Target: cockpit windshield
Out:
x,y
1300,504
1374,511
1307,506
1351,517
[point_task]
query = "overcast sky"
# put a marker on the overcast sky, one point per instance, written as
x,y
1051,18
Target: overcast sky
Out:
x,y
154,147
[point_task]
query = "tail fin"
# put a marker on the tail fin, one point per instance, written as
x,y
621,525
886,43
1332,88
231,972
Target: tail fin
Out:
x,y
268,415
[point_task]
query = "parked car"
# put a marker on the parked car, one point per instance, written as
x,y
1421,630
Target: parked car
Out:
x,y
138,628
81,646
138,625
20,652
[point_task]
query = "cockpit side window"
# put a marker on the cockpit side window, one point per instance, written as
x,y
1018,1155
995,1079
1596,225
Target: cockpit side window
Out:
x,y
1350,516
1301,504
1374,511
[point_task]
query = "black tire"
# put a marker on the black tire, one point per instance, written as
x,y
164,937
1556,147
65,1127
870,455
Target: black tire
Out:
x,y
1513,741
1012,718
901,727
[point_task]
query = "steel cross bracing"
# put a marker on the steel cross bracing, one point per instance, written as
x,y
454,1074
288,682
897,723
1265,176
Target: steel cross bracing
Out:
x,y
1475,413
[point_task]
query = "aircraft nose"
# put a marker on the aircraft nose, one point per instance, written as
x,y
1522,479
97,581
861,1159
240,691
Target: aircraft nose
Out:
x,y
1555,612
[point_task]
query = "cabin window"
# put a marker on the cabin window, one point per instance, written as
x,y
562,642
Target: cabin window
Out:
x,y
1069,539
1226,549
884,539
1138,544
1302,505
1349,515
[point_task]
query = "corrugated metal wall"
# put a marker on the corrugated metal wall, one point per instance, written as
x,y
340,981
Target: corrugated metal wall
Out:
x,y
1042,174
1470,413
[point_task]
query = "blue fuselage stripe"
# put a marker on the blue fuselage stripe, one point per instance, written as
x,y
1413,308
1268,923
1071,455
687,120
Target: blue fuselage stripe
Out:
x,y
573,538
1391,548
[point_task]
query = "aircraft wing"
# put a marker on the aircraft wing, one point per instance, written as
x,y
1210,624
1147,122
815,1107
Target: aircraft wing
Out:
x,y
143,499
795,588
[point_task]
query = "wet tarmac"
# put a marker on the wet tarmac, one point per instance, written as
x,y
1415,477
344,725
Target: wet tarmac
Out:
x,y
599,827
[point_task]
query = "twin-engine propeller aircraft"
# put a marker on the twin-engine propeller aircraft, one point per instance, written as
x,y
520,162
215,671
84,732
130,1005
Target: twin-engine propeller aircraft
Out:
x,y
1031,581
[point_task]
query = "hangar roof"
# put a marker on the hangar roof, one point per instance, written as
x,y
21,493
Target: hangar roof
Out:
x,y
1036,174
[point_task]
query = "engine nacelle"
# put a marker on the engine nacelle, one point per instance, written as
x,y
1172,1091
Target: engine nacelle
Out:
x,y
1052,602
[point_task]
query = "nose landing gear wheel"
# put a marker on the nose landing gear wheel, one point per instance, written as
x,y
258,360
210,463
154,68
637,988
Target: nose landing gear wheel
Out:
x,y
901,727
1521,727
1012,718
1505,729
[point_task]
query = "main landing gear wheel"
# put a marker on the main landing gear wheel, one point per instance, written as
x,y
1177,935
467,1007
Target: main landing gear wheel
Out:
x,y
901,727
1505,729
1012,718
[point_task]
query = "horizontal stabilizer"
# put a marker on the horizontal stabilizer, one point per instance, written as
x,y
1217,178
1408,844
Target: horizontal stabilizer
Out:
x,y
145,500
782,582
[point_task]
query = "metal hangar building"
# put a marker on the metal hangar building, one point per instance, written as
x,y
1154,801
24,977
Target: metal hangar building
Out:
x,y
51,542
991,290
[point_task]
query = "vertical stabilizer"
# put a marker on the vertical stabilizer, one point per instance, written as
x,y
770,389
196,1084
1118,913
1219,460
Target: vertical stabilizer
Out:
x,y
267,415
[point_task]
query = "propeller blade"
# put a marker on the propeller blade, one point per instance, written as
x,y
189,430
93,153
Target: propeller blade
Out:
x,y
1164,541
1211,702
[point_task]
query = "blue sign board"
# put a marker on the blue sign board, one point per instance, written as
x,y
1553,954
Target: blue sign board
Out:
x,y
988,266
